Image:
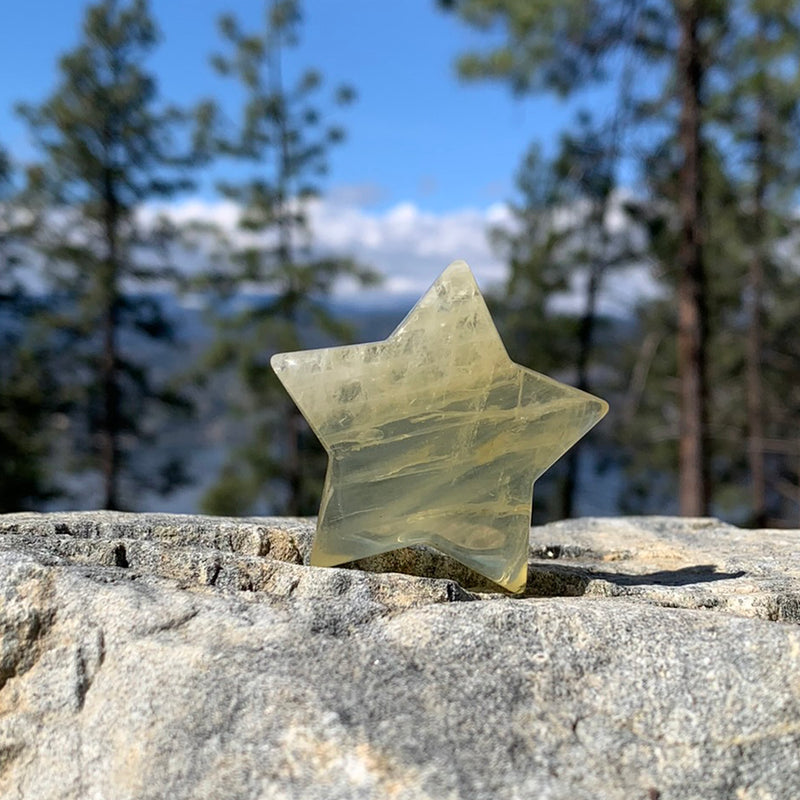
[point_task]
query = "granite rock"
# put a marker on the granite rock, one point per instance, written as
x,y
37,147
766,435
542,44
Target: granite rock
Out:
x,y
151,656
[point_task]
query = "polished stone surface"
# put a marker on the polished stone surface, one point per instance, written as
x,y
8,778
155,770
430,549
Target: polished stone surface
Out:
x,y
434,435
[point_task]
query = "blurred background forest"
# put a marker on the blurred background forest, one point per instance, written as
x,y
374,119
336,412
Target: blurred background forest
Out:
x,y
622,175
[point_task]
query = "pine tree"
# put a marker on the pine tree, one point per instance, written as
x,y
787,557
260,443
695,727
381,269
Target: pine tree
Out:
x,y
561,240
283,136
758,108
530,246
107,146
649,422
750,170
9,252
26,386
566,46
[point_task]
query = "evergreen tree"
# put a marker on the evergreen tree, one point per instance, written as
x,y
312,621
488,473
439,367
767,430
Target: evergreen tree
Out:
x,y
537,269
26,388
9,229
565,46
760,108
649,420
107,146
750,169
283,135
562,239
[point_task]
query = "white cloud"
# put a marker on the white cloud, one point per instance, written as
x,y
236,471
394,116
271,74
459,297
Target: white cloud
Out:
x,y
410,246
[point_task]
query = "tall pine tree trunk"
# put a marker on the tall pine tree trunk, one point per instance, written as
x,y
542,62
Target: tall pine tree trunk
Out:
x,y
585,345
692,302
755,402
109,430
755,303
292,465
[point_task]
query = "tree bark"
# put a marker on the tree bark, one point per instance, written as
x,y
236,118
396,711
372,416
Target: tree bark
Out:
x,y
109,432
692,302
585,345
755,403
755,321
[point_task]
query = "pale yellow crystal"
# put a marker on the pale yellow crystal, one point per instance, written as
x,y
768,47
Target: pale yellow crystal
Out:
x,y
434,435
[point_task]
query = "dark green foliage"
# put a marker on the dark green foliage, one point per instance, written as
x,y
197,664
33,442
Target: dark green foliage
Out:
x,y
25,428
757,109
553,45
750,174
26,388
562,238
107,146
282,134
674,46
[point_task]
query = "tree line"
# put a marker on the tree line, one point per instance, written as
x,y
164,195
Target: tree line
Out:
x,y
77,395
703,118
690,173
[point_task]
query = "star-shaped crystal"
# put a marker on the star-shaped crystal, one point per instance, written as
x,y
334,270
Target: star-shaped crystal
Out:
x,y
434,435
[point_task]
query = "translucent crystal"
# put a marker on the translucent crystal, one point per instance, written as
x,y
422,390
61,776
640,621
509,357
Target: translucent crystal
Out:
x,y
434,435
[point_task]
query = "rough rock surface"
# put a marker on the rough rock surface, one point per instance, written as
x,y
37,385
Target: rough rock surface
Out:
x,y
151,656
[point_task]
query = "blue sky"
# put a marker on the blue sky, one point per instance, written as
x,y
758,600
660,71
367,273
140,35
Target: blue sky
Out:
x,y
428,163
416,134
